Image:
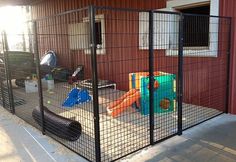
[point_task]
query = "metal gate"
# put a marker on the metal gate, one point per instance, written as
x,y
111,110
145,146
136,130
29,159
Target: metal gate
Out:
x,y
178,63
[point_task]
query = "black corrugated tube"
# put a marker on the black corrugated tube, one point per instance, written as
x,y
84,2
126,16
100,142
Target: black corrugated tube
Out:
x,y
60,126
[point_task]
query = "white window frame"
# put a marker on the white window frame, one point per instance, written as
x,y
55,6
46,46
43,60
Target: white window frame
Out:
x,y
78,36
161,27
212,49
84,34
101,48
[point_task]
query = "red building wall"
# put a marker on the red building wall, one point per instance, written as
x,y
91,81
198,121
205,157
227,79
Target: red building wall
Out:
x,y
111,65
204,78
227,8
52,7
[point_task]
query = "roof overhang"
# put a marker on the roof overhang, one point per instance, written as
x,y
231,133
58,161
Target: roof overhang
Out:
x,y
18,2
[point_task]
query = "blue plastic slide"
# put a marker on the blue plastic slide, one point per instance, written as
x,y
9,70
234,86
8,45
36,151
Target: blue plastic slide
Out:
x,y
76,96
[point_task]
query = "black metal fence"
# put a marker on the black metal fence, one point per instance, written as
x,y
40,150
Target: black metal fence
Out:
x,y
6,95
142,77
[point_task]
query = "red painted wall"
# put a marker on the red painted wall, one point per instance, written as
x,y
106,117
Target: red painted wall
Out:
x,y
52,7
122,54
204,77
227,8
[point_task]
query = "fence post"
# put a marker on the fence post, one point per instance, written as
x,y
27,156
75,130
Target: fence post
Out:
x,y
228,68
8,73
2,91
94,81
180,75
40,92
151,78
5,72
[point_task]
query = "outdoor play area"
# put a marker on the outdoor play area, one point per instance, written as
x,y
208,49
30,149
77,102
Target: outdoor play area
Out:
x,y
107,82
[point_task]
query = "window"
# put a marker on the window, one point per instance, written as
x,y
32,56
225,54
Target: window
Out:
x,y
98,29
205,43
79,35
196,28
200,32
162,25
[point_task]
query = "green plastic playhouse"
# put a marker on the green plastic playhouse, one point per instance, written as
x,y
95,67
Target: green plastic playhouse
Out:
x,y
165,91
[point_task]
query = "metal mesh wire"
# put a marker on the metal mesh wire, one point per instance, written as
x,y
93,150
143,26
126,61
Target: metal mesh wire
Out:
x,y
122,127
166,39
63,34
137,57
5,95
205,70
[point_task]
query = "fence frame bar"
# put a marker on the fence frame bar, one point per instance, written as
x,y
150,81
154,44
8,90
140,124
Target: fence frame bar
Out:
x,y
228,68
180,75
38,71
8,73
151,78
93,48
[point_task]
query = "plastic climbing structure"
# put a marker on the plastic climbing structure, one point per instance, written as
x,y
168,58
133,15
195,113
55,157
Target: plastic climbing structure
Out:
x,y
138,95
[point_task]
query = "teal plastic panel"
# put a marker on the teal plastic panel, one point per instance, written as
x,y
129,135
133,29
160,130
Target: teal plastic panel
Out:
x,y
164,91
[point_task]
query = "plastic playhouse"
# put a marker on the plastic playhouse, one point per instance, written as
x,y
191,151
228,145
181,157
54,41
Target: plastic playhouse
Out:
x,y
138,94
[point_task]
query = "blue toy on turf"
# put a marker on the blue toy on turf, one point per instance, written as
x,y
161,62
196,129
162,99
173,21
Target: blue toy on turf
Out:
x,y
83,96
76,96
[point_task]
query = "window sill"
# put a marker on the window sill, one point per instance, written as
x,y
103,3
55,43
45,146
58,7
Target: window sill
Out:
x,y
197,48
193,52
98,51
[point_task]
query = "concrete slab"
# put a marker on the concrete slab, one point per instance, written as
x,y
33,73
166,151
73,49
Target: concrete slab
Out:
x,y
212,141
120,135
22,143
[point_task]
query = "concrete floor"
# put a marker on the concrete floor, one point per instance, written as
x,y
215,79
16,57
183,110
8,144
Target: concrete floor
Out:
x,y
213,140
119,135
20,142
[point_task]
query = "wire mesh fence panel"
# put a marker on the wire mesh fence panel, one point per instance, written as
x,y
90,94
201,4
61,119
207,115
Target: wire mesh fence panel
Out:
x,y
5,97
22,71
166,56
63,44
112,81
205,67
121,65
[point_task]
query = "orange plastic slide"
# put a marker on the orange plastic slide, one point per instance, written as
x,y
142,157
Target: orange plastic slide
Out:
x,y
118,106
